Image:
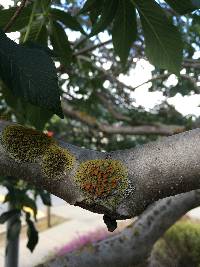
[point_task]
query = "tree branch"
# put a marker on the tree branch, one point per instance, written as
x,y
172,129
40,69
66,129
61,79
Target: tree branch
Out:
x,y
110,77
134,178
136,241
91,48
160,129
14,17
109,106
191,63
91,121
113,79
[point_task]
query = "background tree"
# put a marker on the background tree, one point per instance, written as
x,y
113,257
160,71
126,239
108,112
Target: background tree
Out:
x,y
100,112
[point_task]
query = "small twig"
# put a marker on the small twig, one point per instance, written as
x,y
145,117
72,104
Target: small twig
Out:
x,y
16,14
159,77
91,48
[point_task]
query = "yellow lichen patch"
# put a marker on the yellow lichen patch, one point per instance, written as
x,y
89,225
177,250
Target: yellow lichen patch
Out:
x,y
25,144
101,177
57,161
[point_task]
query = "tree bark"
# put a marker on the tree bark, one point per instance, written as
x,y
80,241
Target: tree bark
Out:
x,y
159,129
134,244
156,170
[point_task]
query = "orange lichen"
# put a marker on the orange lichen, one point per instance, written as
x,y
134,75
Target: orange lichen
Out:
x,y
102,177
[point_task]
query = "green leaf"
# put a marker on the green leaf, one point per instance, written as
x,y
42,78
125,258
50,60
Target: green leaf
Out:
x,y
29,74
20,22
94,8
107,16
182,6
163,42
8,198
7,215
29,202
26,113
196,3
45,4
37,33
66,19
35,45
124,30
32,234
33,113
60,43
46,197
88,6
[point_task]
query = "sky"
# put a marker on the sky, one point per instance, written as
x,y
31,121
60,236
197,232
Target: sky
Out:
x,y
187,105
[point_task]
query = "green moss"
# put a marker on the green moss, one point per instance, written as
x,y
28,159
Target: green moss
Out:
x,y
102,177
180,244
25,144
56,161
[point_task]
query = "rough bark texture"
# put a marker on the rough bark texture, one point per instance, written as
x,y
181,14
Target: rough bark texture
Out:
x,y
153,171
134,244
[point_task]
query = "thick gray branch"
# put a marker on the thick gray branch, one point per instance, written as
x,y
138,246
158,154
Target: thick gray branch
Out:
x,y
134,244
154,171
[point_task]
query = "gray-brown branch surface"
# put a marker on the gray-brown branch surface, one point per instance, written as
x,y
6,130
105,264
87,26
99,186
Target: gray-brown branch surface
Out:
x,y
133,245
156,129
120,184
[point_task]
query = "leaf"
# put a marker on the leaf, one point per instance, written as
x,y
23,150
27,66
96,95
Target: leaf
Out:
x,y
45,4
46,197
32,234
37,116
183,6
107,16
88,6
37,33
124,30
26,113
21,20
66,19
163,42
7,215
8,198
29,74
29,202
14,229
94,8
36,45
196,3
60,43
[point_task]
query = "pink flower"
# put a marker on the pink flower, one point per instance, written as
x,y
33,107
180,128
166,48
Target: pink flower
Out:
x,y
83,240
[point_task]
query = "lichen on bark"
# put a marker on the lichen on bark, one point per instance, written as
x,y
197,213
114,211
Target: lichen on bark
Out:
x,y
25,144
57,161
29,145
103,181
